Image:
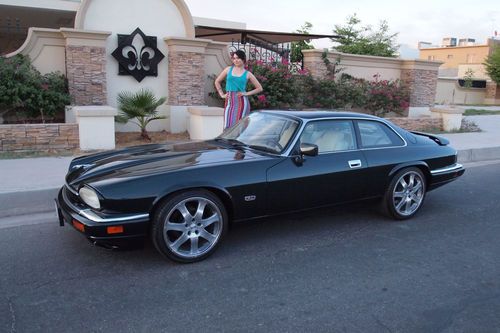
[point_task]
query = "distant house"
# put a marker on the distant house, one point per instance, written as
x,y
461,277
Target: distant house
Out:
x,y
458,57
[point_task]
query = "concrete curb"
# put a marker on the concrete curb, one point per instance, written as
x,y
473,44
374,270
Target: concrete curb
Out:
x,y
27,202
478,154
42,200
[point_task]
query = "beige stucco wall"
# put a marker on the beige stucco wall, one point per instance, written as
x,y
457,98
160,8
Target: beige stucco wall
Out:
x,y
46,49
454,56
366,67
478,69
449,92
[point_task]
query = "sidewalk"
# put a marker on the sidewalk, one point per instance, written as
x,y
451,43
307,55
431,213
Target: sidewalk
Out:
x,y
28,185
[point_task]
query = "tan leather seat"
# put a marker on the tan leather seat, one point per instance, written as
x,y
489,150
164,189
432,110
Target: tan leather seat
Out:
x,y
331,141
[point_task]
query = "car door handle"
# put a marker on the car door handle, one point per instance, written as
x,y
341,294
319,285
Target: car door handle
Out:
x,y
355,164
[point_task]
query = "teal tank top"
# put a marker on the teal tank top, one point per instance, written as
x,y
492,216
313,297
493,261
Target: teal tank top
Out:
x,y
236,83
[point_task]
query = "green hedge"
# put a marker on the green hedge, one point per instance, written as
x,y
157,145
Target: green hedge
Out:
x,y
29,94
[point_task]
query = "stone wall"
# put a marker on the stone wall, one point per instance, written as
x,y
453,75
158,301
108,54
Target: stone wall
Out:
x,y
86,72
186,78
38,137
419,75
422,124
422,85
491,89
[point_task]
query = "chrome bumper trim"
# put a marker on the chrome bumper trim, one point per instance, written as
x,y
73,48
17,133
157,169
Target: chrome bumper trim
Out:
x,y
87,213
451,168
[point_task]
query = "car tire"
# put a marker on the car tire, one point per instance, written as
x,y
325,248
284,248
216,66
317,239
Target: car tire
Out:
x,y
189,226
405,194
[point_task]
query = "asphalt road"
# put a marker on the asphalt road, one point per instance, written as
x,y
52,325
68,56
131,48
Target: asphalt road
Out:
x,y
336,270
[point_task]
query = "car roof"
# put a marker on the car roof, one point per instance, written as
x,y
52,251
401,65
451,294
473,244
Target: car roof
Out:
x,y
321,114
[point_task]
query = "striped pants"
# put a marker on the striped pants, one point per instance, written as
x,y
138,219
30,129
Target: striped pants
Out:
x,y
235,108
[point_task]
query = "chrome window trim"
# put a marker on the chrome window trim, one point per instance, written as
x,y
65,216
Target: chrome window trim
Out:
x,y
447,169
306,121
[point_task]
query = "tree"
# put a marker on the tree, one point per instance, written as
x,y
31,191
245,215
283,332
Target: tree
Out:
x,y
298,46
492,65
468,79
140,106
357,39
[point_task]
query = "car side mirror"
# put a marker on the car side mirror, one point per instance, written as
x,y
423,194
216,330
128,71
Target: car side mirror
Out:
x,y
308,149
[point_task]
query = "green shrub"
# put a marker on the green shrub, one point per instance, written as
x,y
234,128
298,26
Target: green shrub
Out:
x,y
27,93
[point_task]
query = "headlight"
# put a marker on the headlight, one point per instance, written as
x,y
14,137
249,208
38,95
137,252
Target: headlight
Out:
x,y
89,196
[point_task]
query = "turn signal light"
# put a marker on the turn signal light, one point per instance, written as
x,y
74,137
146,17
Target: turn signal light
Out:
x,y
78,225
117,229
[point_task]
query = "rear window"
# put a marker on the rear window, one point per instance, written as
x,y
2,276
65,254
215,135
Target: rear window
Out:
x,y
375,134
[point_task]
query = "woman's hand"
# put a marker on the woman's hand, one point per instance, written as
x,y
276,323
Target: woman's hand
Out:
x,y
223,96
242,94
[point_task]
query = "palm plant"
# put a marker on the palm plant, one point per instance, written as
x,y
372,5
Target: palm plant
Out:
x,y
140,106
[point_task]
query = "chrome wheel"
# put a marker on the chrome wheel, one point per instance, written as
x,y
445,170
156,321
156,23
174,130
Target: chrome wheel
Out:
x,y
189,226
408,193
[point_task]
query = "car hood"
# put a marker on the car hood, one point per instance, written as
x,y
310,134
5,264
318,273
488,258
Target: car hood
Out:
x,y
152,159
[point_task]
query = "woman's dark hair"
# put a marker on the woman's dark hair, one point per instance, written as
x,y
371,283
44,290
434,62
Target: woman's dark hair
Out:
x,y
241,54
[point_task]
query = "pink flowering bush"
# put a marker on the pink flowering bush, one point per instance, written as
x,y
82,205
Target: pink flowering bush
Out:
x,y
281,89
385,96
284,89
377,96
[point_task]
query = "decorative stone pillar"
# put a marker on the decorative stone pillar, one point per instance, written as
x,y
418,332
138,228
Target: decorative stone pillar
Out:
x,y
491,92
86,66
186,78
421,78
314,63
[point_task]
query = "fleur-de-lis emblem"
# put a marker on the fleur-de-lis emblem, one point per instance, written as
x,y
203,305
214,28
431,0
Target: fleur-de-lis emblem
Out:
x,y
137,55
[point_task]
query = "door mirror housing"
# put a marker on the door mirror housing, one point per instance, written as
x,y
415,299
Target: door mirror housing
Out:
x,y
308,149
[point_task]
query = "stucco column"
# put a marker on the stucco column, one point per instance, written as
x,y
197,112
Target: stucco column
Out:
x,y
86,66
421,77
186,78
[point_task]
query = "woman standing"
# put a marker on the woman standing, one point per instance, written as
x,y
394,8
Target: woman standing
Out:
x,y
236,104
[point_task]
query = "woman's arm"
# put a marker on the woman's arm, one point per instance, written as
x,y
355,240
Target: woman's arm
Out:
x,y
256,84
218,81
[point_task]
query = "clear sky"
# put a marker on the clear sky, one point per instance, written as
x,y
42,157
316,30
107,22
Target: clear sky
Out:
x,y
423,20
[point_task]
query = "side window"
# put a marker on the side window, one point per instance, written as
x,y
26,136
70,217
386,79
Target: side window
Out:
x,y
376,134
330,135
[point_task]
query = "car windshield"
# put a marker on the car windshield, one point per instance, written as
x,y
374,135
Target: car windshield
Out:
x,y
261,131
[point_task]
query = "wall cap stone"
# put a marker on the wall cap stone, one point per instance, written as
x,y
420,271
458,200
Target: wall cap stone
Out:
x,y
448,109
180,44
208,111
76,37
95,111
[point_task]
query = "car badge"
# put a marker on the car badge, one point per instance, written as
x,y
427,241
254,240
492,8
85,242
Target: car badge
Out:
x,y
250,197
83,166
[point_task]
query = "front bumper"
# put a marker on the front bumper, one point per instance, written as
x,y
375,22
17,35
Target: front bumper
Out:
x,y
442,176
101,229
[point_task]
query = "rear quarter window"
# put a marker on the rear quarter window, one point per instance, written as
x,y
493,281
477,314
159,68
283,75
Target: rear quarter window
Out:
x,y
375,134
